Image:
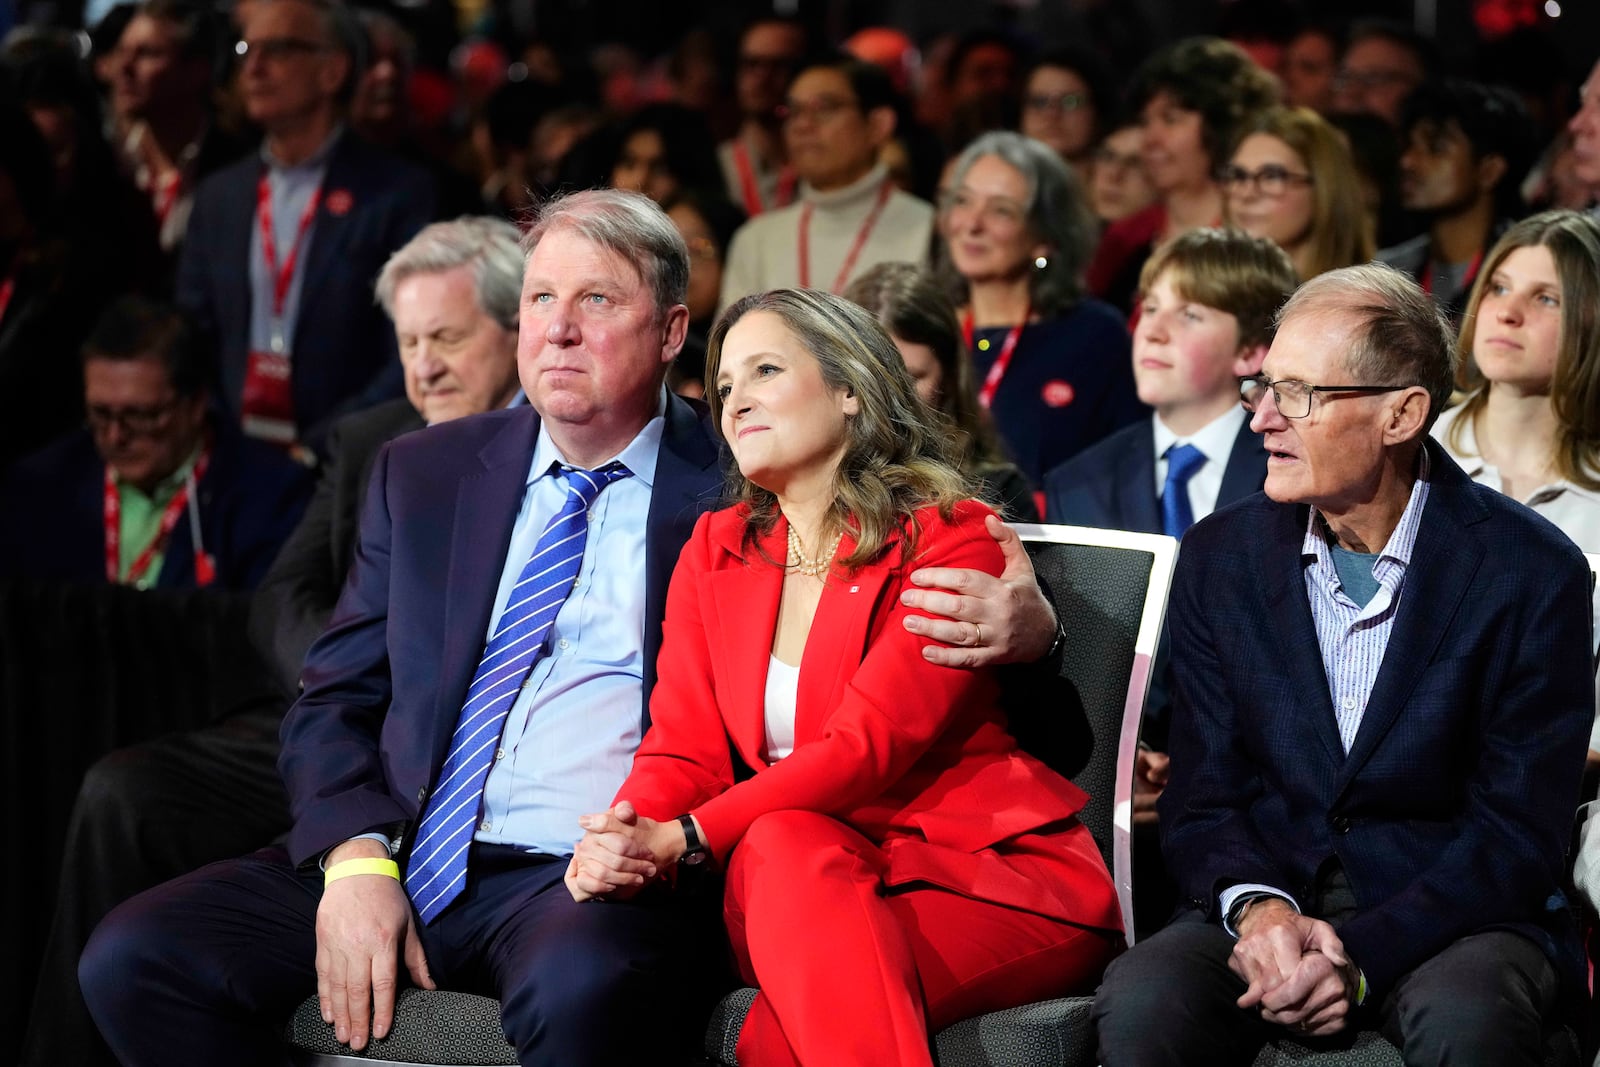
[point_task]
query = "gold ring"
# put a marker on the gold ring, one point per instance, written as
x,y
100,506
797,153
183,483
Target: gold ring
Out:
x,y
977,634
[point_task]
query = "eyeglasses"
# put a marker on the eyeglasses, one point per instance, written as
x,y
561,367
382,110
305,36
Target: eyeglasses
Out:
x,y
1270,180
1061,102
1294,398
1370,79
278,48
820,110
766,64
136,422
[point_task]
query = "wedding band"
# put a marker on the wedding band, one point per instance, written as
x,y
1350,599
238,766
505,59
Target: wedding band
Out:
x,y
977,634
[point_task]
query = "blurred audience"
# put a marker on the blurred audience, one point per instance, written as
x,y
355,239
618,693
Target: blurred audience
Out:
x,y
1065,99
1310,60
1467,148
913,306
755,160
665,149
1382,62
1051,363
1584,128
983,80
1192,98
707,222
154,491
279,265
1293,182
1119,186
838,114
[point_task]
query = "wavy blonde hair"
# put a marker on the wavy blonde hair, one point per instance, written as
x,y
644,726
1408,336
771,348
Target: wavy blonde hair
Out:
x,y
899,453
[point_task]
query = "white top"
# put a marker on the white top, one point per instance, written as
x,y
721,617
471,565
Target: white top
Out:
x,y
783,686
1572,508
765,252
1215,440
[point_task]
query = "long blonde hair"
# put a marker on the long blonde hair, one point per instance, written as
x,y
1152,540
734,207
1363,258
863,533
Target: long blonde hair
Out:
x,y
898,456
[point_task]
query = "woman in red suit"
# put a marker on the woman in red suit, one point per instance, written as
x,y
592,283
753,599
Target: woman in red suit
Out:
x,y
893,861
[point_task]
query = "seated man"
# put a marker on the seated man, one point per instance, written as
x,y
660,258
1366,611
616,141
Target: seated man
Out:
x,y
596,484
155,492
1381,710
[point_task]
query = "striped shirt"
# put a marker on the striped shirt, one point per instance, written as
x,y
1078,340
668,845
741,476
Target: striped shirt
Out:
x,y
1353,638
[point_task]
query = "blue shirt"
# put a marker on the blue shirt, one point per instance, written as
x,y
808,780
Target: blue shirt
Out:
x,y
289,192
570,737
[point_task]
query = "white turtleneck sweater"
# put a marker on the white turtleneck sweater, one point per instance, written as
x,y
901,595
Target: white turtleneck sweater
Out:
x,y
765,252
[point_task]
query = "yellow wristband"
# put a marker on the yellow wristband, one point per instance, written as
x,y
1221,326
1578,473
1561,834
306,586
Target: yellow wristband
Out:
x,y
346,868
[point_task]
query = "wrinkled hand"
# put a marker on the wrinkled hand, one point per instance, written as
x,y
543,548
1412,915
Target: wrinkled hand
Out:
x,y
615,858
1150,772
364,923
983,620
1295,968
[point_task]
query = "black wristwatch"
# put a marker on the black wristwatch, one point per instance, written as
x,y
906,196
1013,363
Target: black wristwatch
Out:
x,y
696,852
1060,639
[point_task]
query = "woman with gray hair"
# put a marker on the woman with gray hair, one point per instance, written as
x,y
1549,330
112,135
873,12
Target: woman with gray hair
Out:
x,y
1052,365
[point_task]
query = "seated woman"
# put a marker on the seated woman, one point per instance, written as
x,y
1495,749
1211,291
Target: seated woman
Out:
x,y
1293,181
1053,364
894,862
1530,348
922,323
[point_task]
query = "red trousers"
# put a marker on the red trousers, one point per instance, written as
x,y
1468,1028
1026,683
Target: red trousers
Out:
x,y
854,972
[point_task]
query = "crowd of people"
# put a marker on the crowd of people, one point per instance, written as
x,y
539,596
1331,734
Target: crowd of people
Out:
x,y
618,470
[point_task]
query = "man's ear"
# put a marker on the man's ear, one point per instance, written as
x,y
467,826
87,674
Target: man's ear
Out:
x,y
1491,169
1407,415
1247,361
674,330
880,125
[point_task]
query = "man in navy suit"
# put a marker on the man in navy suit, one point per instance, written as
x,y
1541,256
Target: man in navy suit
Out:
x,y
1381,695
283,248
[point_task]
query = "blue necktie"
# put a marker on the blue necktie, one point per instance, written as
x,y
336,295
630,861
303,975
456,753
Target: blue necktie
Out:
x,y
1182,462
438,867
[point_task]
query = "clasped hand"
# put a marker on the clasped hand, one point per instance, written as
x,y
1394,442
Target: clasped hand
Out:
x,y
620,853
1296,969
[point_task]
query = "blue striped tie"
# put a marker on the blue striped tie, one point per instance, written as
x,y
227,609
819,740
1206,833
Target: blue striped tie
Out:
x,y
438,867
1182,463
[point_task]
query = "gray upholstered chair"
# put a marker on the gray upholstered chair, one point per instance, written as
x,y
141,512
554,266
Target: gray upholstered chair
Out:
x,y
1110,590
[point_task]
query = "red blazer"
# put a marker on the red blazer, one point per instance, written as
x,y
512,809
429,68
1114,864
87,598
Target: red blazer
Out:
x,y
913,755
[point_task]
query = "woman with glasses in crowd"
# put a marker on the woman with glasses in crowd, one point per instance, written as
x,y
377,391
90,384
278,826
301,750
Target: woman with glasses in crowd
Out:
x,y
1052,365
1292,181
922,322
894,863
1063,105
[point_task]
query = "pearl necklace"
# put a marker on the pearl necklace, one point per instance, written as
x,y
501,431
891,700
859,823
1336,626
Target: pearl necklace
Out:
x,y
811,568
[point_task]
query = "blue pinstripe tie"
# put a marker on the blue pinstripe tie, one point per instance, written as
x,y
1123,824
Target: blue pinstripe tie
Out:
x,y
1182,463
438,867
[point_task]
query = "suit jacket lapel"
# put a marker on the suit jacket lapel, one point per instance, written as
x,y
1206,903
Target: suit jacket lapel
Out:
x,y
1246,469
838,639
1134,490
332,230
486,505
1286,602
1443,562
741,608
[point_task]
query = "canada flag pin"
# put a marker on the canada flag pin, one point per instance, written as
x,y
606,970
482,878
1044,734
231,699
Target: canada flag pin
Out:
x,y
340,202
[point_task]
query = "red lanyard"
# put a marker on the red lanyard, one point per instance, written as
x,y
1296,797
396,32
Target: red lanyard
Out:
x,y
884,192
269,248
169,520
1466,282
997,371
750,189
165,196
7,287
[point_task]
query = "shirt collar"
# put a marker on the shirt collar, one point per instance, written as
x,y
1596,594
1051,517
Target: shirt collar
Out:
x,y
315,161
1401,541
639,456
1214,439
863,189
167,486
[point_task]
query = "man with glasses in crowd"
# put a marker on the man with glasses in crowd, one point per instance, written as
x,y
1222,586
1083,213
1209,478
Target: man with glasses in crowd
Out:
x,y
838,115
1382,62
282,249
1382,693
754,164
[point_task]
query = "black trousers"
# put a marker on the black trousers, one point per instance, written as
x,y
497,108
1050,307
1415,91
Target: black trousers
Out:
x,y
143,815
1171,999
207,968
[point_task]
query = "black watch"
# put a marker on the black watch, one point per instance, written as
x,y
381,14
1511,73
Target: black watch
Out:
x,y
696,852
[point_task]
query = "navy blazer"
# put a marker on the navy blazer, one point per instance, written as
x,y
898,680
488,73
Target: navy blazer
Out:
x,y
386,680
1112,485
249,501
344,354
1453,810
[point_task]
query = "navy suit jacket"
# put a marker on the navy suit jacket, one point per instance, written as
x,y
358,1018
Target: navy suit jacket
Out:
x,y
1453,810
1111,485
249,501
343,349
385,682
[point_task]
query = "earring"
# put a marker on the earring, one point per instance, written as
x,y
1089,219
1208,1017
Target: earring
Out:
x,y
1041,263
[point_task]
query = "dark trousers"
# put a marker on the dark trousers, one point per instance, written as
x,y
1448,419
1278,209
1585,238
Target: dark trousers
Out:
x,y
1485,999
145,814
207,968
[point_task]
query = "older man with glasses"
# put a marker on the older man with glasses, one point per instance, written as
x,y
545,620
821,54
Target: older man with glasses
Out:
x,y
1382,692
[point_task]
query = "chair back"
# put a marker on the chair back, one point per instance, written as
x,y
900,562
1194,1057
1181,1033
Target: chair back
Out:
x,y
1109,589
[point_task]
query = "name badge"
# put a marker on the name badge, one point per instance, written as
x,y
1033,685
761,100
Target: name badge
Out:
x,y
267,404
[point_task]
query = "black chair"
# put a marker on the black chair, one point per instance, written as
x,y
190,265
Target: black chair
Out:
x,y
1110,589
